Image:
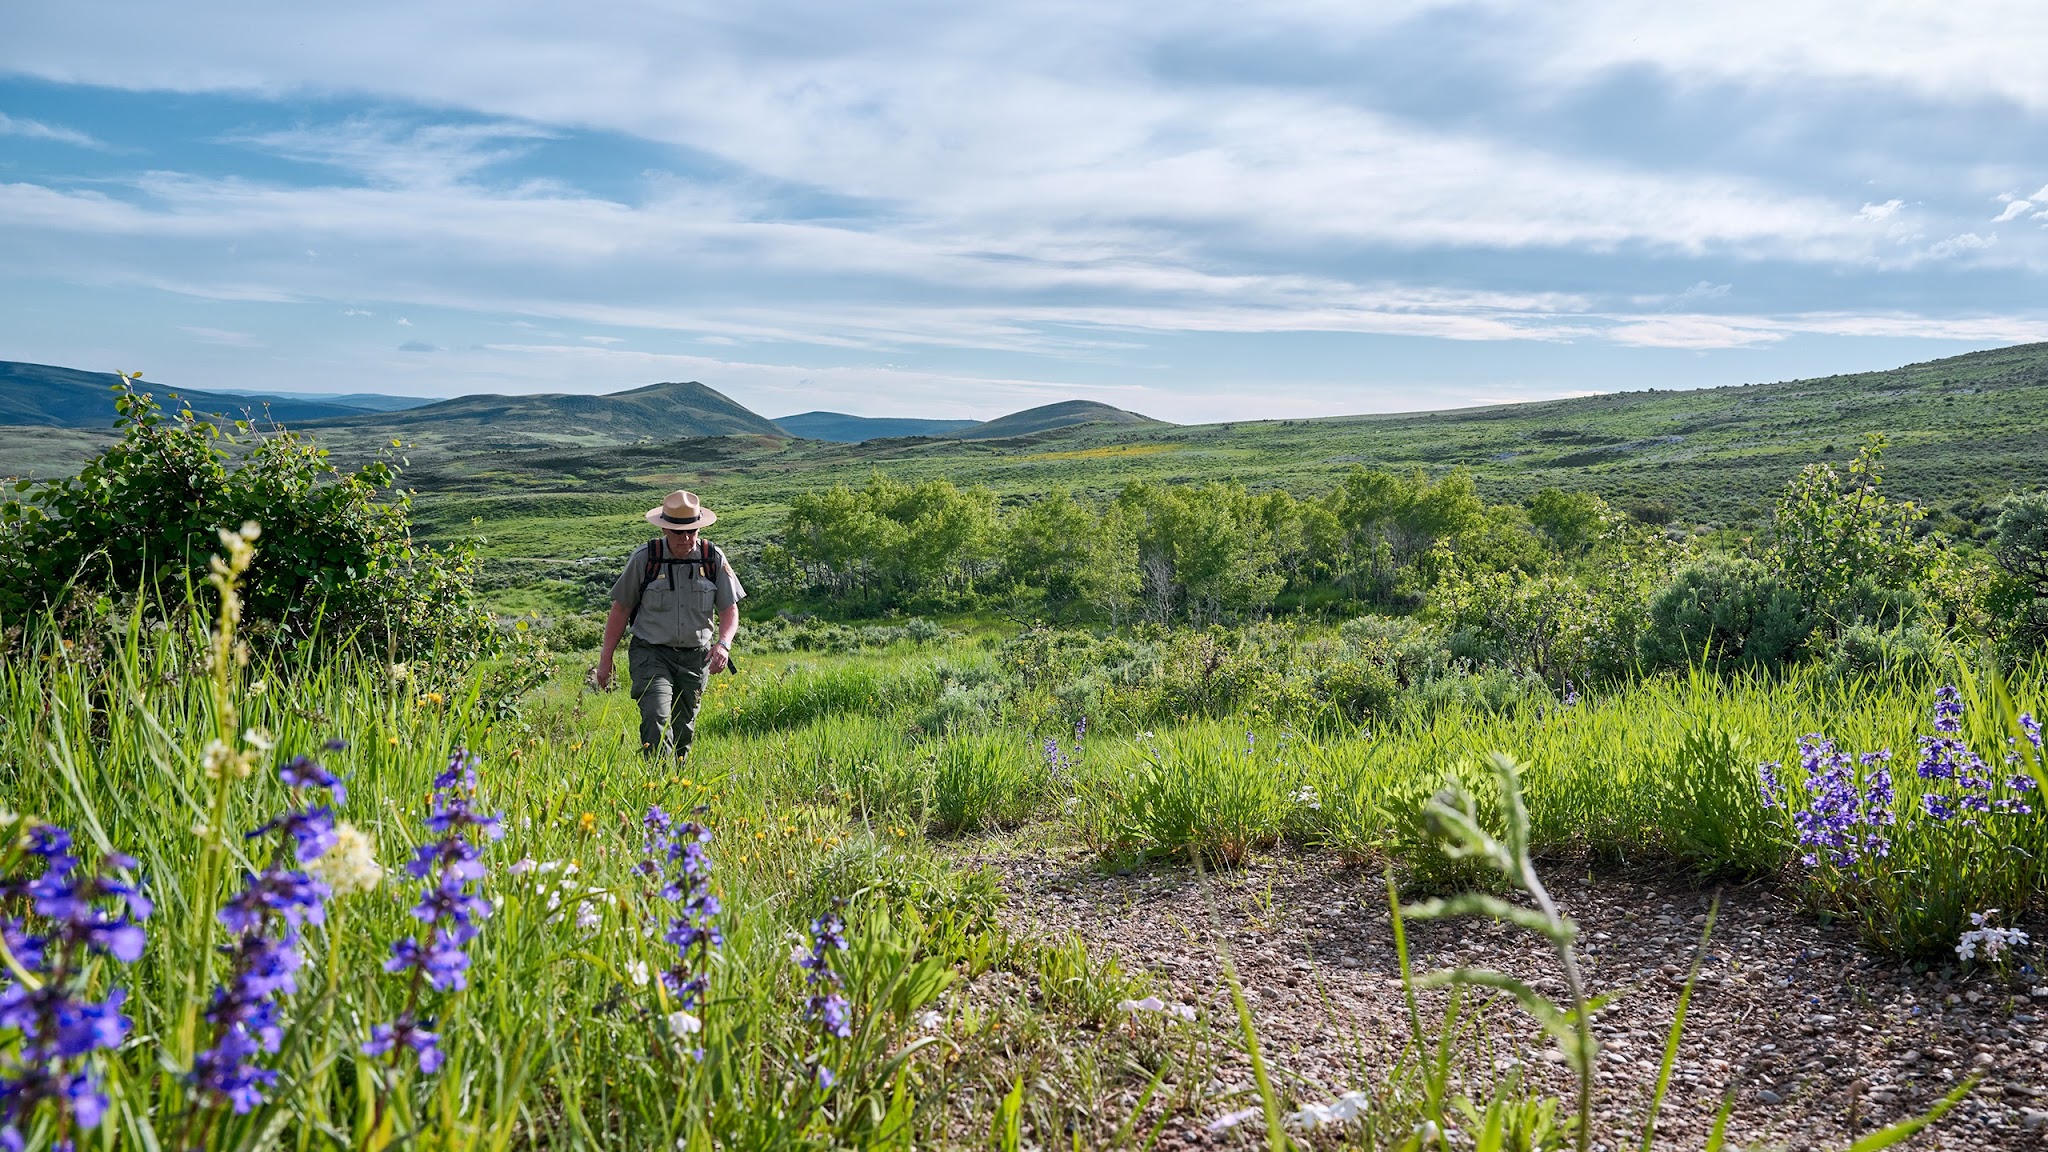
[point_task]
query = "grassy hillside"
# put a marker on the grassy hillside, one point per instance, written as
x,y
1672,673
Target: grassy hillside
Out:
x,y
470,423
1963,430
1050,417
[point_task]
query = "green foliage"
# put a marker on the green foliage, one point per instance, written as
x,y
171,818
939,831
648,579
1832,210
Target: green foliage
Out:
x,y
1730,610
1572,521
143,516
893,543
1712,816
982,782
1207,791
1205,553
1835,539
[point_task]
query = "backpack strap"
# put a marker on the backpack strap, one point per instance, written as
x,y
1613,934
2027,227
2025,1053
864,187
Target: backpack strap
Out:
x,y
657,560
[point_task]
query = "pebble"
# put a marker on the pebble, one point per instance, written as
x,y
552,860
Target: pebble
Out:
x,y
1770,1097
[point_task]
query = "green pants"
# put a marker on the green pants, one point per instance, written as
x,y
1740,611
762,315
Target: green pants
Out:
x,y
668,683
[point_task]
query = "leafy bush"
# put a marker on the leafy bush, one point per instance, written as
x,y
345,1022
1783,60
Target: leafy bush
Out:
x,y
336,555
1710,813
1726,610
1867,650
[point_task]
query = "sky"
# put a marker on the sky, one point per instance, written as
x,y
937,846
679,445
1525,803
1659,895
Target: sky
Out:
x,y
1199,211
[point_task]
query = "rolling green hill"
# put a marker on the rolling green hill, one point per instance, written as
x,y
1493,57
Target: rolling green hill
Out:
x,y
1963,432
668,411
1049,417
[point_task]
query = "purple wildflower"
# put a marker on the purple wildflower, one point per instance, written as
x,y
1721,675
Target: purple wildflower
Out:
x,y
694,934
2032,728
825,1005
448,911
265,918
1842,821
1767,783
406,1033
79,915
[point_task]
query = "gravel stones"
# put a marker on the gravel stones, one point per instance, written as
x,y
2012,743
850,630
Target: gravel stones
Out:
x,y
1795,1018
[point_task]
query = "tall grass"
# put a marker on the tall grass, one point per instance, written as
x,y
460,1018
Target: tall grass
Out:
x,y
563,1038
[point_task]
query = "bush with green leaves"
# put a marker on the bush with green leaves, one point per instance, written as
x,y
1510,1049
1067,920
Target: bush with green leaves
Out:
x,y
337,558
1726,610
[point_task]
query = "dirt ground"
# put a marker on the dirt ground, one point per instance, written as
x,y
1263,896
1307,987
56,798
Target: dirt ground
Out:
x,y
1811,1031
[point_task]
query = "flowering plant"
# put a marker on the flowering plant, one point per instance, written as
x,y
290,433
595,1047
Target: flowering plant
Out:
x,y
437,957
46,998
1966,835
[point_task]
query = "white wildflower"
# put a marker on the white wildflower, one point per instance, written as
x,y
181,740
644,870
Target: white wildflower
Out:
x,y
1989,937
682,1024
1307,797
258,738
259,687
350,866
928,1020
525,865
1229,1120
399,672
1344,1109
588,918
636,971
1148,1004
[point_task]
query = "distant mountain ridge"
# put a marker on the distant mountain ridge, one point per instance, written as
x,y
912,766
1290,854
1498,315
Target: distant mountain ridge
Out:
x,y
838,426
667,411
1048,417
44,395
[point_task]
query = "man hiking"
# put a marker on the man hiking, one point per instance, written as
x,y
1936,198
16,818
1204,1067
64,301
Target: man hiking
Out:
x,y
682,601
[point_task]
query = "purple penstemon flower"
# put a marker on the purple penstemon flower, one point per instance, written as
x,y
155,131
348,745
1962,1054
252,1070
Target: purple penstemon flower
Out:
x,y
266,918
825,1005
1843,820
448,911
72,916
677,856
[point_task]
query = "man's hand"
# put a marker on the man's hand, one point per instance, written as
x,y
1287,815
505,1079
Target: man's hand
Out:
x,y
717,661
604,672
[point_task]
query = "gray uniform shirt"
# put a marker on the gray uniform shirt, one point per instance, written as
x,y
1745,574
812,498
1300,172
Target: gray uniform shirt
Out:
x,y
681,607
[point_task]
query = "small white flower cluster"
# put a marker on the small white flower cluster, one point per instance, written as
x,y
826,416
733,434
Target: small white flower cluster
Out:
x,y
1155,1004
1307,797
1344,1109
1988,937
589,916
351,865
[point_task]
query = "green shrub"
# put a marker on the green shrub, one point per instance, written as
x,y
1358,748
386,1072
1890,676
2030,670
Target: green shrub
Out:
x,y
1726,610
336,555
1867,650
1206,790
1710,812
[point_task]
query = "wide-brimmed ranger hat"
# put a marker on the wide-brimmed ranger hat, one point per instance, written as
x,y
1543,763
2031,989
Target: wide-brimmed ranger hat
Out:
x,y
680,509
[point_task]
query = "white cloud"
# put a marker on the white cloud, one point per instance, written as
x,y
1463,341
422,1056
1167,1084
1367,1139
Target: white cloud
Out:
x,y
1884,211
2012,211
221,336
1959,244
37,130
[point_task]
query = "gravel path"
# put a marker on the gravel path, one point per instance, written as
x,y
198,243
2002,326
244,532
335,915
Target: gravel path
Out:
x,y
1805,1025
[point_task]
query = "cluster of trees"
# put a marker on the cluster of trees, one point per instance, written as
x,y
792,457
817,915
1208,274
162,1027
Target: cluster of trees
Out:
x,y
1560,585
